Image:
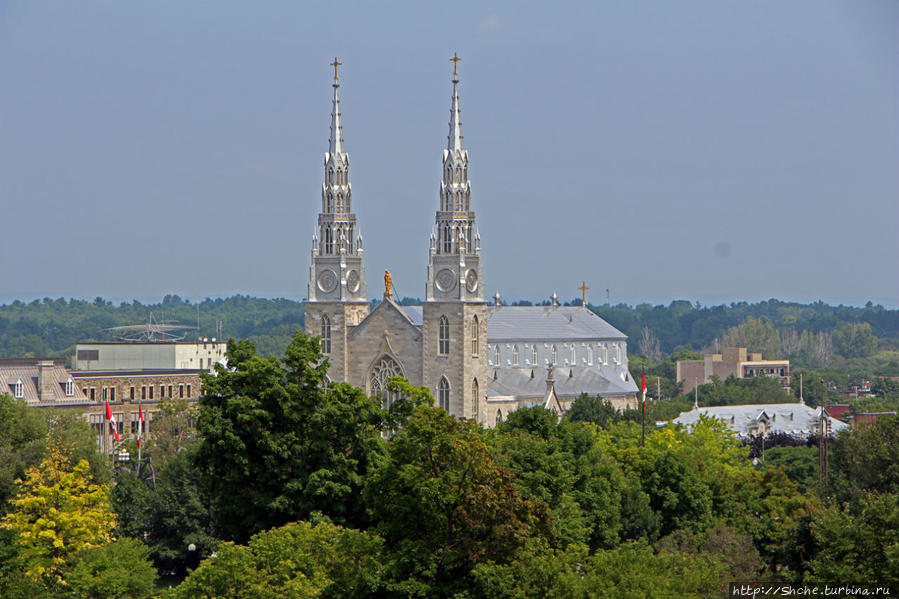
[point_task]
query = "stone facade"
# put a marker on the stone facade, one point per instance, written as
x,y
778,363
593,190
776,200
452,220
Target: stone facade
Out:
x,y
442,344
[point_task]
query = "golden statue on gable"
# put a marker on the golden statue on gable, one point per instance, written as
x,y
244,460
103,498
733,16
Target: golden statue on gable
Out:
x,y
388,283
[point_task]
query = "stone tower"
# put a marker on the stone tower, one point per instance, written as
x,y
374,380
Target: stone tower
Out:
x,y
454,314
337,293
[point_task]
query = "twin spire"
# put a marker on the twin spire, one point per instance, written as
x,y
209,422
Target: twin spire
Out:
x,y
336,141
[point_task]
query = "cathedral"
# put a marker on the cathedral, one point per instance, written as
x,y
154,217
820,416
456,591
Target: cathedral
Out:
x,y
480,360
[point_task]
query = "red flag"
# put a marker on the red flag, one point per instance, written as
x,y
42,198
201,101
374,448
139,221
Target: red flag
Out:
x,y
643,376
111,419
140,423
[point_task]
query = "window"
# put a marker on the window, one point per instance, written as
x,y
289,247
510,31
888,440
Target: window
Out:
x,y
112,394
105,394
590,355
533,354
19,389
201,364
555,355
151,391
170,391
380,375
499,417
496,355
573,355
93,393
70,387
143,392
474,336
188,391
443,344
443,393
161,391
515,355
181,391
326,334
476,397
131,393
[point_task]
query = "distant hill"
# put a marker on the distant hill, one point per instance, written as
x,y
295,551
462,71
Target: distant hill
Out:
x,y
51,327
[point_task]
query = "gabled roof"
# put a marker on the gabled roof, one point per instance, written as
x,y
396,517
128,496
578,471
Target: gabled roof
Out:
x,y
390,306
27,370
547,323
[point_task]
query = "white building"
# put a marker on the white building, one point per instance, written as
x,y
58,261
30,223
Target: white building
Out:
x,y
202,354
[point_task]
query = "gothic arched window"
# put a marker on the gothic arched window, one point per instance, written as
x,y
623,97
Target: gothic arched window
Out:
x,y
326,334
380,374
499,417
476,397
329,241
474,336
555,355
443,393
514,355
533,354
496,355
443,336
330,176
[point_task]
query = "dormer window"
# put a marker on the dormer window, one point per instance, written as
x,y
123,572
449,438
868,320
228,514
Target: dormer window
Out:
x,y
70,387
19,389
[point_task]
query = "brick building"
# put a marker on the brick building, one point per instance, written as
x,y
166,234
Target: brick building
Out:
x,y
732,361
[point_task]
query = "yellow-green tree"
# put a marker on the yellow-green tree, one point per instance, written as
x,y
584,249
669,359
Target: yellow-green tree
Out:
x,y
58,512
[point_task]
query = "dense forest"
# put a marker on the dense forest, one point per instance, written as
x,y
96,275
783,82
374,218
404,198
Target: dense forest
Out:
x,y
290,489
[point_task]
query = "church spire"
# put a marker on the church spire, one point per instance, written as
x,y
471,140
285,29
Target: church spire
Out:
x,y
453,272
336,140
337,250
454,139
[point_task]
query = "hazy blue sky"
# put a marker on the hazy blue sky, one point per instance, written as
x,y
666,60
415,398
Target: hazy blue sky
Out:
x,y
711,150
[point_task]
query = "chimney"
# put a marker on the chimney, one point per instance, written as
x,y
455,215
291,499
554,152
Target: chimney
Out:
x,y
46,382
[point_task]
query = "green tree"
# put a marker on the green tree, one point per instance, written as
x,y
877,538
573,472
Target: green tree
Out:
x,y
120,569
299,560
859,542
57,513
592,409
442,504
866,459
756,335
169,516
172,430
276,446
26,432
855,340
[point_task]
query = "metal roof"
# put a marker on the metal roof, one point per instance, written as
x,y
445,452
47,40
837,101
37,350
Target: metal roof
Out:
x,y
414,314
548,323
790,418
570,382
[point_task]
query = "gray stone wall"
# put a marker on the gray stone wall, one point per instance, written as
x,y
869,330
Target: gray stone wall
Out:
x,y
385,331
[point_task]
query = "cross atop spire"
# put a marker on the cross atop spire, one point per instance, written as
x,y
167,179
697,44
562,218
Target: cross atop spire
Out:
x,y
336,140
584,289
455,125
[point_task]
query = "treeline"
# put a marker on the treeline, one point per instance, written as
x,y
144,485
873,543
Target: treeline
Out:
x,y
291,489
52,327
813,335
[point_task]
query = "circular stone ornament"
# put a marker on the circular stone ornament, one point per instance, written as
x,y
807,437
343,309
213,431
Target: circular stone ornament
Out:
x,y
471,280
352,281
327,280
446,280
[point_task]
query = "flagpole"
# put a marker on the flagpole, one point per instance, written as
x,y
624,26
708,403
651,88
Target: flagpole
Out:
x,y
643,379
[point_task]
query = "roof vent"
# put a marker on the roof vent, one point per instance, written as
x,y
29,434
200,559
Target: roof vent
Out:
x,y
494,374
571,373
532,373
